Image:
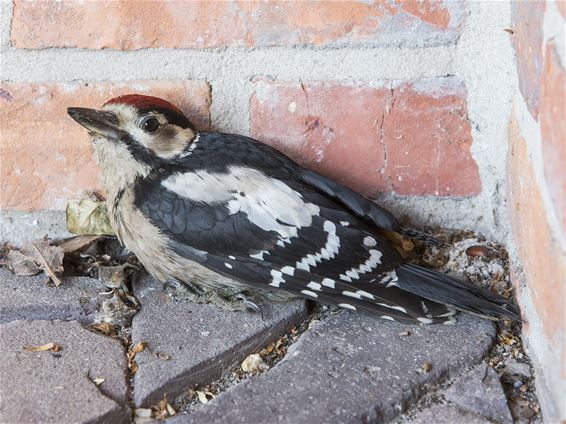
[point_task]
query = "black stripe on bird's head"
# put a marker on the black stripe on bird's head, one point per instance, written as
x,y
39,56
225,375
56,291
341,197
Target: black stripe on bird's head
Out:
x,y
152,129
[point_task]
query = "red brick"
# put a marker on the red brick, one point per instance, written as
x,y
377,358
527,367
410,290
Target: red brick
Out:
x,y
412,139
539,250
528,20
46,156
123,24
553,129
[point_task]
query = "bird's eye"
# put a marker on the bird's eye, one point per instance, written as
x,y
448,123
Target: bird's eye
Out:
x,y
150,125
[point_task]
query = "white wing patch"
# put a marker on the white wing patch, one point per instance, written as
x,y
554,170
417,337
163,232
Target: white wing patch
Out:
x,y
268,203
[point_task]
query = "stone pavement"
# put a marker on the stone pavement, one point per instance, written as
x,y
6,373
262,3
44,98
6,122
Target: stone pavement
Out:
x,y
349,367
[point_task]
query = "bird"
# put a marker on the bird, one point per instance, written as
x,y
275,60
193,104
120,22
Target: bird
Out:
x,y
230,220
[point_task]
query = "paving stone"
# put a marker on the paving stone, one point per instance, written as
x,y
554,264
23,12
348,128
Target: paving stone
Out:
x,y
31,298
445,414
57,386
350,368
480,392
202,340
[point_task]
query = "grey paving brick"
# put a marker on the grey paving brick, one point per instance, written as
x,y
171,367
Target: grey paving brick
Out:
x,y
480,392
57,387
202,340
351,368
446,414
31,298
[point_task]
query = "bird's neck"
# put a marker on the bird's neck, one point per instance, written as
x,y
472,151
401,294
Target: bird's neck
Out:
x,y
119,170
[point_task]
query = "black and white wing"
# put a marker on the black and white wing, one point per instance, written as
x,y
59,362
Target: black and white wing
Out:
x,y
257,217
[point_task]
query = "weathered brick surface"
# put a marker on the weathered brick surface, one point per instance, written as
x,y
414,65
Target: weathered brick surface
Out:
x,y
480,393
351,368
32,298
58,387
129,25
412,138
203,341
539,250
553,129
46,156
528,19
475,398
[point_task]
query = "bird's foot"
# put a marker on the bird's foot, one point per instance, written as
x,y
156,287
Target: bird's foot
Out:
x,y
228,299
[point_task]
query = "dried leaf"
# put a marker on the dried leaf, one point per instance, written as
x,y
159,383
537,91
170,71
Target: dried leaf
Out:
x,y
53,347
163,409
105,328
253,363
39,256
131,355
22,264
76,244
50,259
162,356
88,217
425,368
113,276
139,347
202,397
98,381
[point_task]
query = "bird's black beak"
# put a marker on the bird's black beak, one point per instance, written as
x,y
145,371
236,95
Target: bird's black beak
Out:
x,y
96,121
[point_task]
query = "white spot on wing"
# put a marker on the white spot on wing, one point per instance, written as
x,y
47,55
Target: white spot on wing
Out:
x,y
347,306
329,250
231,257
328,282
277,278
387,317
351,294
309,293
424,320
289,270
373,260
259,255
227,265
344,223
369,241
314,286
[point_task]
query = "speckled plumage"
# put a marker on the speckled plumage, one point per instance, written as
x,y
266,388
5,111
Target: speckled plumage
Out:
x,y
222,210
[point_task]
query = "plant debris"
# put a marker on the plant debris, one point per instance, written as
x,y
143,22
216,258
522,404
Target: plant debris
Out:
x,y
88,216
254,364
37,257
53,347
131,356
98,381
425,368
162,410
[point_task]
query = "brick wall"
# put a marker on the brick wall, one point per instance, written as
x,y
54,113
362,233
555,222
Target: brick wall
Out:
x,y
407,102
536,189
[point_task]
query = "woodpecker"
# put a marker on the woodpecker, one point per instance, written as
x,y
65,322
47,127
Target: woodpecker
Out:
x,y
224,213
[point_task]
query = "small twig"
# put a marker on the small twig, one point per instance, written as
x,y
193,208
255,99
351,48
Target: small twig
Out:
x,y
47,268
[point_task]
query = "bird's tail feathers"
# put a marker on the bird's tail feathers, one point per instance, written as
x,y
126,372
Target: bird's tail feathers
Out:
x,y
448,290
